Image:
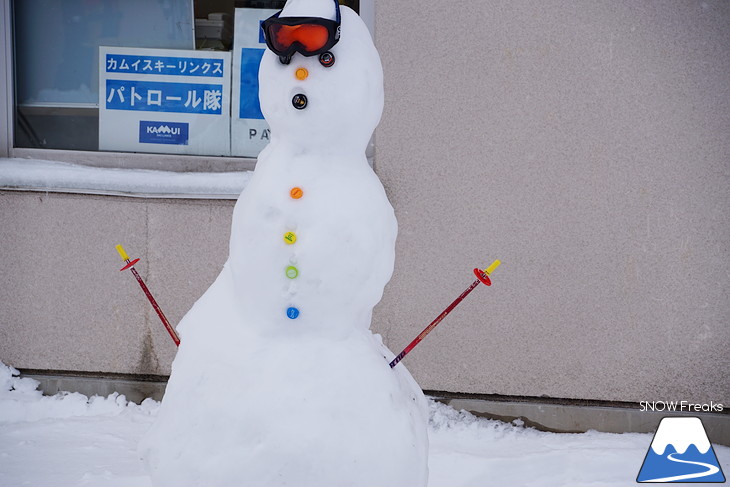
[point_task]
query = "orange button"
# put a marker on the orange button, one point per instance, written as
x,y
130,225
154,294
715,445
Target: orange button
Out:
x,y
301,74
296,193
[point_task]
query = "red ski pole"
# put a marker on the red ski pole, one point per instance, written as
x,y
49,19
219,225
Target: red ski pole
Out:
x,y
482,276
130,266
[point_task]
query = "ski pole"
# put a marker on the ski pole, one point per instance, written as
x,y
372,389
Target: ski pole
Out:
x,y
482,276
130,266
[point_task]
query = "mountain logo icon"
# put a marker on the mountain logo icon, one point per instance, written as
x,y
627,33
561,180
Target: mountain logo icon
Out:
x,y
680,452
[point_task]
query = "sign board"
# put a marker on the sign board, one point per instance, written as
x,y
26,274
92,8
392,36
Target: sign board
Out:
x,y
249,131
163,100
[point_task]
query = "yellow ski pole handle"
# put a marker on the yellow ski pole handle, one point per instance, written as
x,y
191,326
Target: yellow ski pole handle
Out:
x,y
483,275
492,267
122,253
125,258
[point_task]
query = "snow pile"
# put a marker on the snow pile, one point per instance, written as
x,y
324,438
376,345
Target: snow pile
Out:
x,y
21,401
467,451
31,174
69,440
448,422
96,446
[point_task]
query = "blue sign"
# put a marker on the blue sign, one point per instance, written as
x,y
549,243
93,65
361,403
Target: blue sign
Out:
x,y
165,100
165,65
262,37
158,96
163,132
249,105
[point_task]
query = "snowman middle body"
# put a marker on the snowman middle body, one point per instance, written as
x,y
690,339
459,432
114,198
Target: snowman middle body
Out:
x,y
313,232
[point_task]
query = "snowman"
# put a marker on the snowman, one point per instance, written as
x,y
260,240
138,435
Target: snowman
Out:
x,y
278,380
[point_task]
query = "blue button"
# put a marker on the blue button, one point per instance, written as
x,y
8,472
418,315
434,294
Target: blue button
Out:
x,y
292,313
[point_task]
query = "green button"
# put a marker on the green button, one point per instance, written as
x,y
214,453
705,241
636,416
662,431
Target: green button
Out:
x,y
292,272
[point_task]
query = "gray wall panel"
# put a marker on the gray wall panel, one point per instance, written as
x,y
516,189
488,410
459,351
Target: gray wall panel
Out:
x,y
586,144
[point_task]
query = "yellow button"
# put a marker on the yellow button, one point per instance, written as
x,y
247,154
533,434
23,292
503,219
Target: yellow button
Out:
x,y
290,237
301,74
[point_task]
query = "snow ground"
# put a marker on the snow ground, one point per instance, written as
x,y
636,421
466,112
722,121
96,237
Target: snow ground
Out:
x,y
69,440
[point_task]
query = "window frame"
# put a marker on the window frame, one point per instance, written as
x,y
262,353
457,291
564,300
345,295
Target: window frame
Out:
x,y
6,81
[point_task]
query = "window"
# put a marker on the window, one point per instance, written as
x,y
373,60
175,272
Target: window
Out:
x,y
55,48
56,61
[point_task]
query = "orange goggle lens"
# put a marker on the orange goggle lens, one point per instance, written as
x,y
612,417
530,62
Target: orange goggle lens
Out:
x,y
312,37
308,36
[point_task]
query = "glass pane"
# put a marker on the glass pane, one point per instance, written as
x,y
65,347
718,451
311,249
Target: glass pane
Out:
x,y
56,60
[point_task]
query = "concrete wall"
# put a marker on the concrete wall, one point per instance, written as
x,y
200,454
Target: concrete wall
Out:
x,y
65,306
583,143
587,145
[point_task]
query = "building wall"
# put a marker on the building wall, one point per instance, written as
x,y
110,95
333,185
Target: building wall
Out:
x,y
65,305
585,144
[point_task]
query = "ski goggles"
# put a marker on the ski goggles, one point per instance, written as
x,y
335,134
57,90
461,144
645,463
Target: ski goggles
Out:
x,y
308,36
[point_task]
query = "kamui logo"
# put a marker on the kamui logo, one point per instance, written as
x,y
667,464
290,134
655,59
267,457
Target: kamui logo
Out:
x,y
680,452
163,132
163,129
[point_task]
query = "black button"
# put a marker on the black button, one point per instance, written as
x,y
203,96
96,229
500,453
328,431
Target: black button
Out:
x,y
299,101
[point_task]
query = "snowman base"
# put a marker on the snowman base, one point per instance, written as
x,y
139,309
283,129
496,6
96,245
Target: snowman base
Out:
x,y
345,418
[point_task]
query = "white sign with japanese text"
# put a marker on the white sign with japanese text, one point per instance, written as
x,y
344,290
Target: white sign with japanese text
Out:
x,y
249,131
164,100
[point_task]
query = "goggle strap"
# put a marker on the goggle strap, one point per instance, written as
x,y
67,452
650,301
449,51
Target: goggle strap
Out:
x,y
338,15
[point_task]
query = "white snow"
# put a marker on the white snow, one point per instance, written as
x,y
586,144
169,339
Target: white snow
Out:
x,y
68,440
37,175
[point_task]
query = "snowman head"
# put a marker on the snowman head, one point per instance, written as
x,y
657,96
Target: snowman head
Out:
x,y
321,81
309,36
